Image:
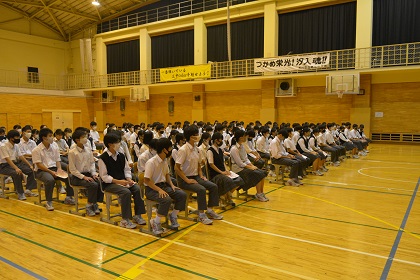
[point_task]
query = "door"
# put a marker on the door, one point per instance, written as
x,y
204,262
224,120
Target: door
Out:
x,y
62,120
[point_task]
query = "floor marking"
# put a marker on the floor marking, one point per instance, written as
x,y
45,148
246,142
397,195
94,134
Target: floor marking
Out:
x,y
381,178
319,244
388,264
360,185
27,271
356,211
135,271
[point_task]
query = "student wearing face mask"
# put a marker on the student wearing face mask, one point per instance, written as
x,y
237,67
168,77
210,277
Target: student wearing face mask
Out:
x,y
159,187
218,171
144,157
35,136
14,164
203,146
26,144
67,136
160,131
95,136
2,135
179,142
249,146
83,171
116,175
187,167
46,158
18,128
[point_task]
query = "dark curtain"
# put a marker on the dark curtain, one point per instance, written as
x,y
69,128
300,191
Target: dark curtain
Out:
x,y
320,29
175,49
395,22
123,57
247,40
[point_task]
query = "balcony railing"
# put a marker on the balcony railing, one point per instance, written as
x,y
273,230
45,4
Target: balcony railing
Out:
x,y
363,58
184,8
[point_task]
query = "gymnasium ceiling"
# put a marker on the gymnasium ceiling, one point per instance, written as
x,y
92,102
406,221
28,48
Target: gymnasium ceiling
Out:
x,y
67,17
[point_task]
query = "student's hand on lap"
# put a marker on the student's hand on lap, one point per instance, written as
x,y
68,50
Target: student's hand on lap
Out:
x,y
191,181
86,178
130,182
175,188
162,193
227,173
18,171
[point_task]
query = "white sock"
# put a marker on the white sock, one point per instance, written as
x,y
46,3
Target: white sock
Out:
x,y
174,213
157,219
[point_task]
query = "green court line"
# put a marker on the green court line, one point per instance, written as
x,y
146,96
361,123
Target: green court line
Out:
x,y
61,253
322,218
111,246
355,189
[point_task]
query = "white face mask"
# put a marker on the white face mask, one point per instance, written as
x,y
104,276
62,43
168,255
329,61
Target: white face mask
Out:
x,y
83,140
50,140
28,135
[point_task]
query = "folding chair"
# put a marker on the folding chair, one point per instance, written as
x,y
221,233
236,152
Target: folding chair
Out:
x,y
40,186
108,202
186,209
4,189
76,197
238,193
279,169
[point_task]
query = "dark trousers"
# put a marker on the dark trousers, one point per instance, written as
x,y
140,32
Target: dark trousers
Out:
x,y
200,188
258,163
125,196
6,169
333,151
179,197
295,165
358,144
49,182
92,187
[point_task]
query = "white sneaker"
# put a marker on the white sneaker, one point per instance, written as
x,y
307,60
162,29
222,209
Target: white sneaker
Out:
x,y
204,219
62,190
49,206
355,156
261,197
21,196
213,215
271,174
292,183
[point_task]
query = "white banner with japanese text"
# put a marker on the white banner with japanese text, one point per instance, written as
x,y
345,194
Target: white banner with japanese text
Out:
x,y
291,63
185,73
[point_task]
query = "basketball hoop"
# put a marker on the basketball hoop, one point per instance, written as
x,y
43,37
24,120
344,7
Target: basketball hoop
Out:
x,y
340,93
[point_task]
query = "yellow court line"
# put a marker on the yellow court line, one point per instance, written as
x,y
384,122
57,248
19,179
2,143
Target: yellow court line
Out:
x,y
356,211
135,271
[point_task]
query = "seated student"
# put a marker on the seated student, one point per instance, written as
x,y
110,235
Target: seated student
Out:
x,y
313,144
46,158
252,153
95,136
160,131
147,137
262,144
355,141
26,144
2,135
35,136
304,149
18,128
279,155
291,149
116,175
187,167
203,146
83,171
322,143
144,157
14,164
355,137
123,147
242,166
297,130
159,186
179,142
127,132
134,136
168,129
332,141
347,143
67,136
363,135
218,171
137,145
273,134
62,145
172,136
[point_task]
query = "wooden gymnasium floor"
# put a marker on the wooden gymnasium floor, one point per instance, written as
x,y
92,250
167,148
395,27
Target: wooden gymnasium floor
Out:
x,y
359,221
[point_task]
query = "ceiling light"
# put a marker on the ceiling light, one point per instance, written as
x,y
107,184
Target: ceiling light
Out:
x,y
95,3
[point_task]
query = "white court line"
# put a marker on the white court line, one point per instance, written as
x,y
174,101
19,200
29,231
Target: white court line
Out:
x,y
394,180
398,162
187,246
319,244
360,185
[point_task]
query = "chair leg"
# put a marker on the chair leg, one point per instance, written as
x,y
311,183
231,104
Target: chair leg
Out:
x,y
3,186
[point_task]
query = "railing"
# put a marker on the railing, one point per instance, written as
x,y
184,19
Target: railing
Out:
x,y
364,58
184,8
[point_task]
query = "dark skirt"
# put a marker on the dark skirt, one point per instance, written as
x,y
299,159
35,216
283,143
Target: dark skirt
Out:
x,y
226,184
251,177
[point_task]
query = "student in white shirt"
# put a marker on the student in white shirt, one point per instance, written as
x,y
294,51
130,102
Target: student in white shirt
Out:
x,y
144,157
46,158
203,146
262,144
347,143
134,136
179,142
83,171
26,144
168,129
297,129
14,164
242,166
322,143
249,146
127,134
116,176
279,155
187,167
62,145
147,137
304,149
354,136
67,137
313,143
159,187
137,145
291,149
330,140
95,136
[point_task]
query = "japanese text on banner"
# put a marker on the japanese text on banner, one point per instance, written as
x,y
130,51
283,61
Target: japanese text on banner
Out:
x,y
185,73
290,63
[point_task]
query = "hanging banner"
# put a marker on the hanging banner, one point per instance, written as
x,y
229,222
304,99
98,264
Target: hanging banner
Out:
x,y
185,73
291,63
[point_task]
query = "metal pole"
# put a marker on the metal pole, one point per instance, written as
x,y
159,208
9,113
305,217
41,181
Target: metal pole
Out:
x,y
228,32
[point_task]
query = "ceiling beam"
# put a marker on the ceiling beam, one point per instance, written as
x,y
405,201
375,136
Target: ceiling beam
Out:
x,y
55,19
28,17
10,20
75,13
132,8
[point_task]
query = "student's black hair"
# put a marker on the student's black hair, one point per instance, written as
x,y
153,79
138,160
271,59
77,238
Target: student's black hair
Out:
x,y
329,125
2,131
111,138
264,130
159,127
140,133
93,123
190,131
179,137
163,143
174,132
218,127
284,133
361,126
250,133
208,128
34,131
111,125
67,130
295,124
273,130
305,129
238,134
354,125
288,130
77,134
153,143
298,127
130,125
148,136
204,136
26,128
16,126
58,132
44,133
217,136
42,126
136,127
315,130
12,134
